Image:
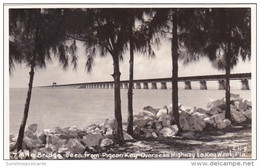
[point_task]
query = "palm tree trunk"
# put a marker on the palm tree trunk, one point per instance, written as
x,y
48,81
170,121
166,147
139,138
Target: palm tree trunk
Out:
x,y
130,88
118,116
227,69
19,142
174,48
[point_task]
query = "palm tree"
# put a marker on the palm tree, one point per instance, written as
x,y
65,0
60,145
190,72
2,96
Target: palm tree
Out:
x,y
34,33
182,27
228,39
139,41
104,30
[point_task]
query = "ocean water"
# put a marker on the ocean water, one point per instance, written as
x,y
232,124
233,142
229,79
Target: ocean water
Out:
x,y
66,107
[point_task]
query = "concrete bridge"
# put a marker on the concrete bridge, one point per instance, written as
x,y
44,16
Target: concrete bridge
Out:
x,y
161,83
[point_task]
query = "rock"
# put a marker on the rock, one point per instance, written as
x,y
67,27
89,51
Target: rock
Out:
x,y
151,109
106,142
196,122
41,136
248,113
227,122
154,135
75,146
218,117
54,142
216,103
31,143
12,138
63,150
109,133
32,127
165,120
139,121
168,131
162,112
184,108
202,111
235,97
147,113
127,137
237,115
210,121
241,105
193,110
137,131
221,124
158,126
92,139
248,103
215,110
184,124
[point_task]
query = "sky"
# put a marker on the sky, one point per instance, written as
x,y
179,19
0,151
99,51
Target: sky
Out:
x,y
144,68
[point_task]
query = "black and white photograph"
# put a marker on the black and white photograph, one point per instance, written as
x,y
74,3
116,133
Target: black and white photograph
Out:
x,y
129,82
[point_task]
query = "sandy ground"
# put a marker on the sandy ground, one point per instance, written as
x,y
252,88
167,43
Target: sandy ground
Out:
x,y
233,142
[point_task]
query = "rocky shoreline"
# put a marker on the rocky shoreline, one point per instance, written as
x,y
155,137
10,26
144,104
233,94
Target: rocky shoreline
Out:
x,y
150,124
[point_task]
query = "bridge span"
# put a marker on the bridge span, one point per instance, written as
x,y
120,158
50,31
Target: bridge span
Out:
x,y
153,83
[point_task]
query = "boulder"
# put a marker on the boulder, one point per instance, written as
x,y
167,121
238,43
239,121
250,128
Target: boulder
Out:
x,y
158,125
218,117
237,115
165,120
196,122
227,122
92,139
202,111
154,135
75,146
210,121
139,121
169,131
235,97
147,113
248,113
31,143
54,142
248,102
151,109
215,110
221,124
41,136
137,131
106,142
216,103
241,105
184,124
185,108
162,112
32,127
63,150
127,137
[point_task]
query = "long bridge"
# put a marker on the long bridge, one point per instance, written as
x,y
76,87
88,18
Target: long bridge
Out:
x,y
152,83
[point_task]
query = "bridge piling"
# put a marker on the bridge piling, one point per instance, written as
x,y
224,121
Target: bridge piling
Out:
x,y
154,85
146,85
126,85
163,85
221,84
111,86
187,85
138,85
203,85
244,84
